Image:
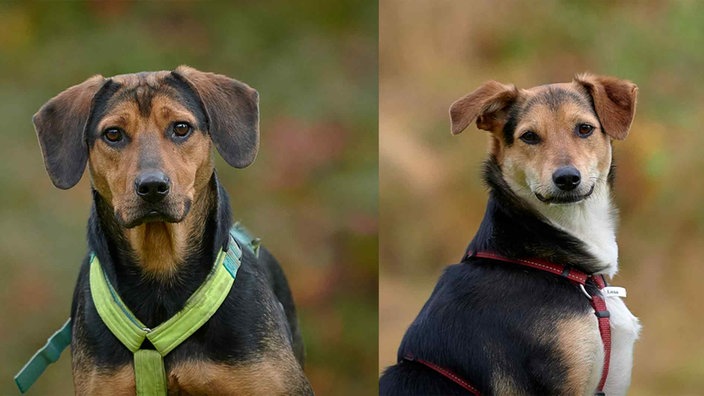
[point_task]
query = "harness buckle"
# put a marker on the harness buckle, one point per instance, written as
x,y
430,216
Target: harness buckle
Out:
x,y
602,314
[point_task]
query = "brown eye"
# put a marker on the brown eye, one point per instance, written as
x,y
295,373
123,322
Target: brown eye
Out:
x,y
182,129
530,137
113,135
584,130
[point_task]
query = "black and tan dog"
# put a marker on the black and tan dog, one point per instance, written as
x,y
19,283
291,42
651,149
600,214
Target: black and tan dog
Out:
x,y
158,220
521,314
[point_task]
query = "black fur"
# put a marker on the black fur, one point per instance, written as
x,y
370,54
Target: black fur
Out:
x,y
484,316
510,126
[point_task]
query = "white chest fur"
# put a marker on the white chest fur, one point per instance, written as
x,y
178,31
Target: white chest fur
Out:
x,y
593,222
624,331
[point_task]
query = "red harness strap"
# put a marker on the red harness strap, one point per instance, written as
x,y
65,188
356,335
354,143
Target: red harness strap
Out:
x,y
603,315
574,275
446,373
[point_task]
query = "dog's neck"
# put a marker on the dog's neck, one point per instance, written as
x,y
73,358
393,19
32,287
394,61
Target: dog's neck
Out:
x,y
565,238
150,290
591,221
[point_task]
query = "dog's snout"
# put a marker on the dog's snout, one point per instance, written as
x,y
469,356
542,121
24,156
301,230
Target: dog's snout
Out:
x,y
567,178
152,186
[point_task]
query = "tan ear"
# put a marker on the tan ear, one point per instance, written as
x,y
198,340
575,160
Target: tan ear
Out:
x,y
485,104
614,102
232,109
60,126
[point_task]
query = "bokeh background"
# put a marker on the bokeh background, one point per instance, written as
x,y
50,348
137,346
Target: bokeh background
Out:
x,y
311,195
432,198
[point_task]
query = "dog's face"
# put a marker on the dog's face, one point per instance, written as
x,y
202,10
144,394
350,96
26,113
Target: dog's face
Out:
x,y
147,138
552,142
558,151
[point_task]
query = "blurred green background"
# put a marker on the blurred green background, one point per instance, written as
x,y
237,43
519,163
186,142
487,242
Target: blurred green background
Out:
x,y
311,195
432,197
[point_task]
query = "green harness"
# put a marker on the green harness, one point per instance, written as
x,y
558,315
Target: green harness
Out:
x,y
150,376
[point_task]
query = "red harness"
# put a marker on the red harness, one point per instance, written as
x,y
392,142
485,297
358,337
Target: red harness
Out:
x,y
576,276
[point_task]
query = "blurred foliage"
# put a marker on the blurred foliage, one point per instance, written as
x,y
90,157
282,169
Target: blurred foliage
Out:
x,y
311,195
432,197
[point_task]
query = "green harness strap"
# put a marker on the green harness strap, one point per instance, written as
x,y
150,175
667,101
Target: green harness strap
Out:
x,y
150,376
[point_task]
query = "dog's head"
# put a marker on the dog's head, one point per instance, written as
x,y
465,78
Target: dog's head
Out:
x,y
552,142
147,138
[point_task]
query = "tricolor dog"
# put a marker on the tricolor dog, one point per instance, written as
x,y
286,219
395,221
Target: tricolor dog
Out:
x,y
171,298
528,311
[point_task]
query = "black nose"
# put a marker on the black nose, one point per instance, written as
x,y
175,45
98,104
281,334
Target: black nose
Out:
x,y
566,178
152,186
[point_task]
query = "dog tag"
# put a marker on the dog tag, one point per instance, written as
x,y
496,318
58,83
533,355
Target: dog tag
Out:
x,y
614,291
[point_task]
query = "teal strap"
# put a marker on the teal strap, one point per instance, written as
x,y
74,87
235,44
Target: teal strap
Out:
x,y
47,355
246,239
149,373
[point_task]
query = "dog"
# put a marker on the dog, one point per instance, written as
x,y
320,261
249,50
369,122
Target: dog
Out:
x,y
159,219
520,314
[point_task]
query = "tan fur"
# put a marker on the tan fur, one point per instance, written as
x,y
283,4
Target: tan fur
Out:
x,y
534,165
614,100
502,384
271,375
159,246
94,382
482,104
264,377
59,125
579,342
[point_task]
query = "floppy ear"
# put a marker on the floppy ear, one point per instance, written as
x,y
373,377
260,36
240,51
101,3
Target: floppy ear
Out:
x,y
232,109
60,126
485,104
614,102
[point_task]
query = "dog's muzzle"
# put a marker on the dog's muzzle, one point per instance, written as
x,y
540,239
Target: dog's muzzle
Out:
x,y
566,180
153,201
